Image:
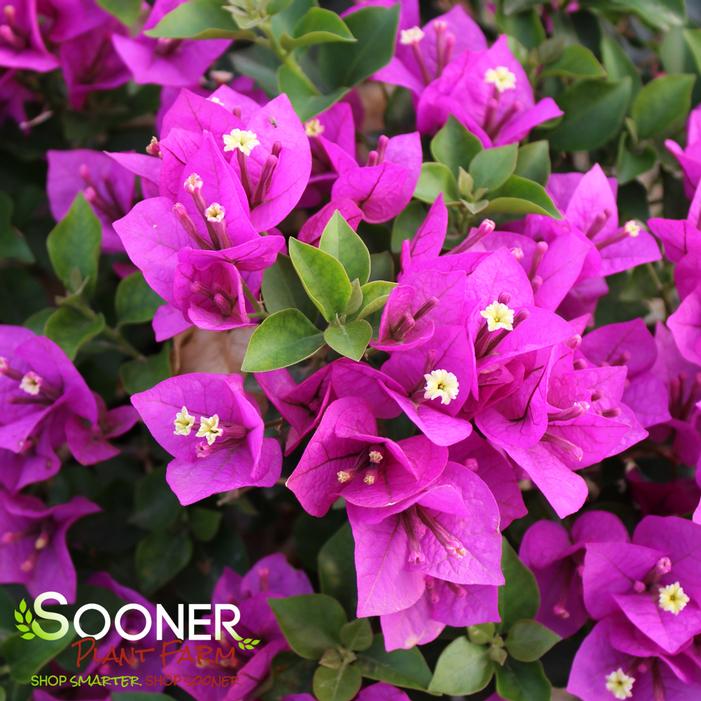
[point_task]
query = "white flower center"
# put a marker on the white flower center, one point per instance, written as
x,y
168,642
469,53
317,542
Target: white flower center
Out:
x,y
673,598
241,140
209,428
501,78
620,684
314,128
413,35
193,182
441,384
632,228
215,212
498,316
31,383
183,422
343,476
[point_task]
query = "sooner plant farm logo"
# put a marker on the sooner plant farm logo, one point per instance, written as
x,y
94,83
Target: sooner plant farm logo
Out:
x,y
185,625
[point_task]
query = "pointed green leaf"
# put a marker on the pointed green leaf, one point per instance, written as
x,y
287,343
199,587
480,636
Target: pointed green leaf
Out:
x,y
661,107
126,11
70,329
534,162
317,26
594,112
351,339
523,681
436,179
357,635
337,684
283,289
12,244
139,375
74,246
311,623
576,61
517,197
463,668
529,640
491,168
283,339
375,295
519,597
196,19
324,278
406,668
455,146
344,244
135,301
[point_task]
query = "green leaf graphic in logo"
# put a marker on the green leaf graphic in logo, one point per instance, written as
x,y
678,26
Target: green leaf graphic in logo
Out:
x,y
29,626
24,616
245,643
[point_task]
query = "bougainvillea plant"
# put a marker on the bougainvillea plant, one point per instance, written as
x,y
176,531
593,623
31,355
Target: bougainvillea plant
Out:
x,y
377,323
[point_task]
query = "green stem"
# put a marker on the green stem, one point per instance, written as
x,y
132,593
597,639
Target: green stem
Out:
x,y
287,59
122,344
260,310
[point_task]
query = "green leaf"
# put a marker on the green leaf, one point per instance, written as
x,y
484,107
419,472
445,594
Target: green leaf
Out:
x,y
575,61
283,339
135,302
204,523
304,95
337,684
351,339
37,321
139,375
337,568
406,668
357,635
74,246
529,640
406,224
375,29
436,179
661,106
375,295
455,146
519,597
491,168
324,278
382,266
317,26
126,11
258,63
282,289
311,623
631,161
661,14
463,668
617,63
155,505
12,243
196,19
517,197
159,557
523,681
71,329
27,656
594,112
340,241
534,162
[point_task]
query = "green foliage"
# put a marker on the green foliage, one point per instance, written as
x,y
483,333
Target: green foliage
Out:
x,y
74,247
136,302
